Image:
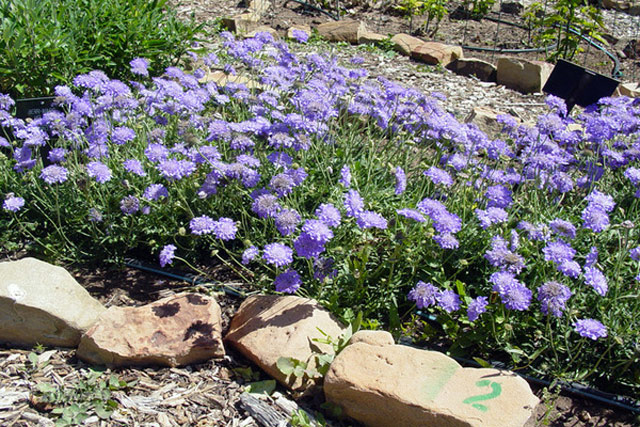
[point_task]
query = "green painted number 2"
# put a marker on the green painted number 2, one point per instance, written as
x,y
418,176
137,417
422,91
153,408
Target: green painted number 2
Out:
x,y
496,391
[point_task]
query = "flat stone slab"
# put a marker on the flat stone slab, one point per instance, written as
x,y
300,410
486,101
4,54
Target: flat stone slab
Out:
x,y
347,30
395,385
43,304
523,75
174,331
267,327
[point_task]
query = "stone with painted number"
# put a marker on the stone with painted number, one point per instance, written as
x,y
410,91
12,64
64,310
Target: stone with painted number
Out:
x,y
43,304
399,385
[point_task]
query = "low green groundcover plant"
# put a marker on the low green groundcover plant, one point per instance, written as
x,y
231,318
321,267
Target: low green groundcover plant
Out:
x,y
49,42
312,178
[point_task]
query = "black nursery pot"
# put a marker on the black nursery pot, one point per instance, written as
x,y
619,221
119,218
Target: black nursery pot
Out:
x,y
578,85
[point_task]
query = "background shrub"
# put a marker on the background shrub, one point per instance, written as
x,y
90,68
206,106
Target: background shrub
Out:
x,y
48,42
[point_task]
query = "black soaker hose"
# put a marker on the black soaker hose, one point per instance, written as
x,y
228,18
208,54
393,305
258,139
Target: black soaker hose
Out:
x,y
575,389
615,73
316,8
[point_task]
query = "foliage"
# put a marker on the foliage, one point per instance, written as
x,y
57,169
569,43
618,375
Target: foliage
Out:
x,y
564,24
307,177
74,404
48,42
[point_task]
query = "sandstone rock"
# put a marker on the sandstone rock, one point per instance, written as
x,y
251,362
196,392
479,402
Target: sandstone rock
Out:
x,y
262,29
370,38
259,7
372,338
299,27
631,90
486,119
434,53
346,30
474,67
523,75
268,327
221,79
43,304
242,23
173,331
406,43
404,386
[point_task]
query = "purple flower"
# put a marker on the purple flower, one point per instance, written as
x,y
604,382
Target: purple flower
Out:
x,y
308,247
173,169
134,166
54,174
498,196
633,175
300,36
369,219
13,203
129,205
317,230
601,200
439,176
424,294
538,232
122,135
140,66
286,221
156,152
491,216
514,294
477,306
225,229
413,214
328,214
553,296
155,192
95,215
447,241
563,228
592,257
558,252
288,282
57,155
596,279
281,184
590,328
99,171
345,176
595,219
353,203
635,253
278,254
401,180
167,255
323,268
569,268
500,256
449,301
201,225
249,254
265,204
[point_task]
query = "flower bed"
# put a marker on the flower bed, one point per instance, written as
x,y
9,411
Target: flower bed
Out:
x,y
356,191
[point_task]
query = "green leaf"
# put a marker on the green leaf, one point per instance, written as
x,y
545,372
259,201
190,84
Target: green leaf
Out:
x,y
102,412
286,365
483,363
262,387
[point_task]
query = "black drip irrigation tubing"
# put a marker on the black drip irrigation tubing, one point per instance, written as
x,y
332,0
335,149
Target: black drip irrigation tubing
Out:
x,y
194,280
316,8
615,73
574,389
